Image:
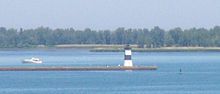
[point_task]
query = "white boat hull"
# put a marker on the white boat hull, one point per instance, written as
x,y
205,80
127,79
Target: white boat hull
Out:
x,y
30,61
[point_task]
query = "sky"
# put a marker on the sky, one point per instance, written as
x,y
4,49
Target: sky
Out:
x,y
109,14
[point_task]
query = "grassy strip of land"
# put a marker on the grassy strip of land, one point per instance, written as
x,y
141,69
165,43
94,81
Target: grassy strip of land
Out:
x,y
163,49
93,46
120,48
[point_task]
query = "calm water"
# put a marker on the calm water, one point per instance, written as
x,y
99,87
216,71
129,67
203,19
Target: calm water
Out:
x,y
200,73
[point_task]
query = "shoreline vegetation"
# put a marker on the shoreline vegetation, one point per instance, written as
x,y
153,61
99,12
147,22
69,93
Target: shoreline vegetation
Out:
x,y
140,39
120,48
143,37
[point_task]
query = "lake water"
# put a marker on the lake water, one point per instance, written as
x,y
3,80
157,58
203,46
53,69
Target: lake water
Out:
x,y
200,73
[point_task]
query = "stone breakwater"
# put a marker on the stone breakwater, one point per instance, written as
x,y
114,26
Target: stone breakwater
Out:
x,y
95,68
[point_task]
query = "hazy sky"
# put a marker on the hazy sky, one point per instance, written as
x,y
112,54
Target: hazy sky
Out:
x,y
109,14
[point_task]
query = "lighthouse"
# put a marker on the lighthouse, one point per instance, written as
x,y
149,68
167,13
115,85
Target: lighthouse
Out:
x,y
127,57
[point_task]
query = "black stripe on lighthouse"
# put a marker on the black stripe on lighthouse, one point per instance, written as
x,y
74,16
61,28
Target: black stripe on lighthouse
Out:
x,y
127,57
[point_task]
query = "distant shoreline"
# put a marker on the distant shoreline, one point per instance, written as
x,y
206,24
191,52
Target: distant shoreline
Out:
x,y
164,49
63,46
119,48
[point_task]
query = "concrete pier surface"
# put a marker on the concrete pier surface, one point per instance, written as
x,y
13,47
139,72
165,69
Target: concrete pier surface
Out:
x,y
76,68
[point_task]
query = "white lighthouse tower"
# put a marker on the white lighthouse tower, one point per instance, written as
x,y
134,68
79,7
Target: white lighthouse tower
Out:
x,y
127,57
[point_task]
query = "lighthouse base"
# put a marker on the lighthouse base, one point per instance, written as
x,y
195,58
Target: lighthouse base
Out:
x,y
128,63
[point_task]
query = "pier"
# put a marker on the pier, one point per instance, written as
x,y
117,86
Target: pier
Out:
x,y
95,68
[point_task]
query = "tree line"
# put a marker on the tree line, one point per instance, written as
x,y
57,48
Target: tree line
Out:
x,y
153,38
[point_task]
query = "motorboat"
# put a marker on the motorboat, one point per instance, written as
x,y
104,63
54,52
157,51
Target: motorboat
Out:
x,y
32,60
